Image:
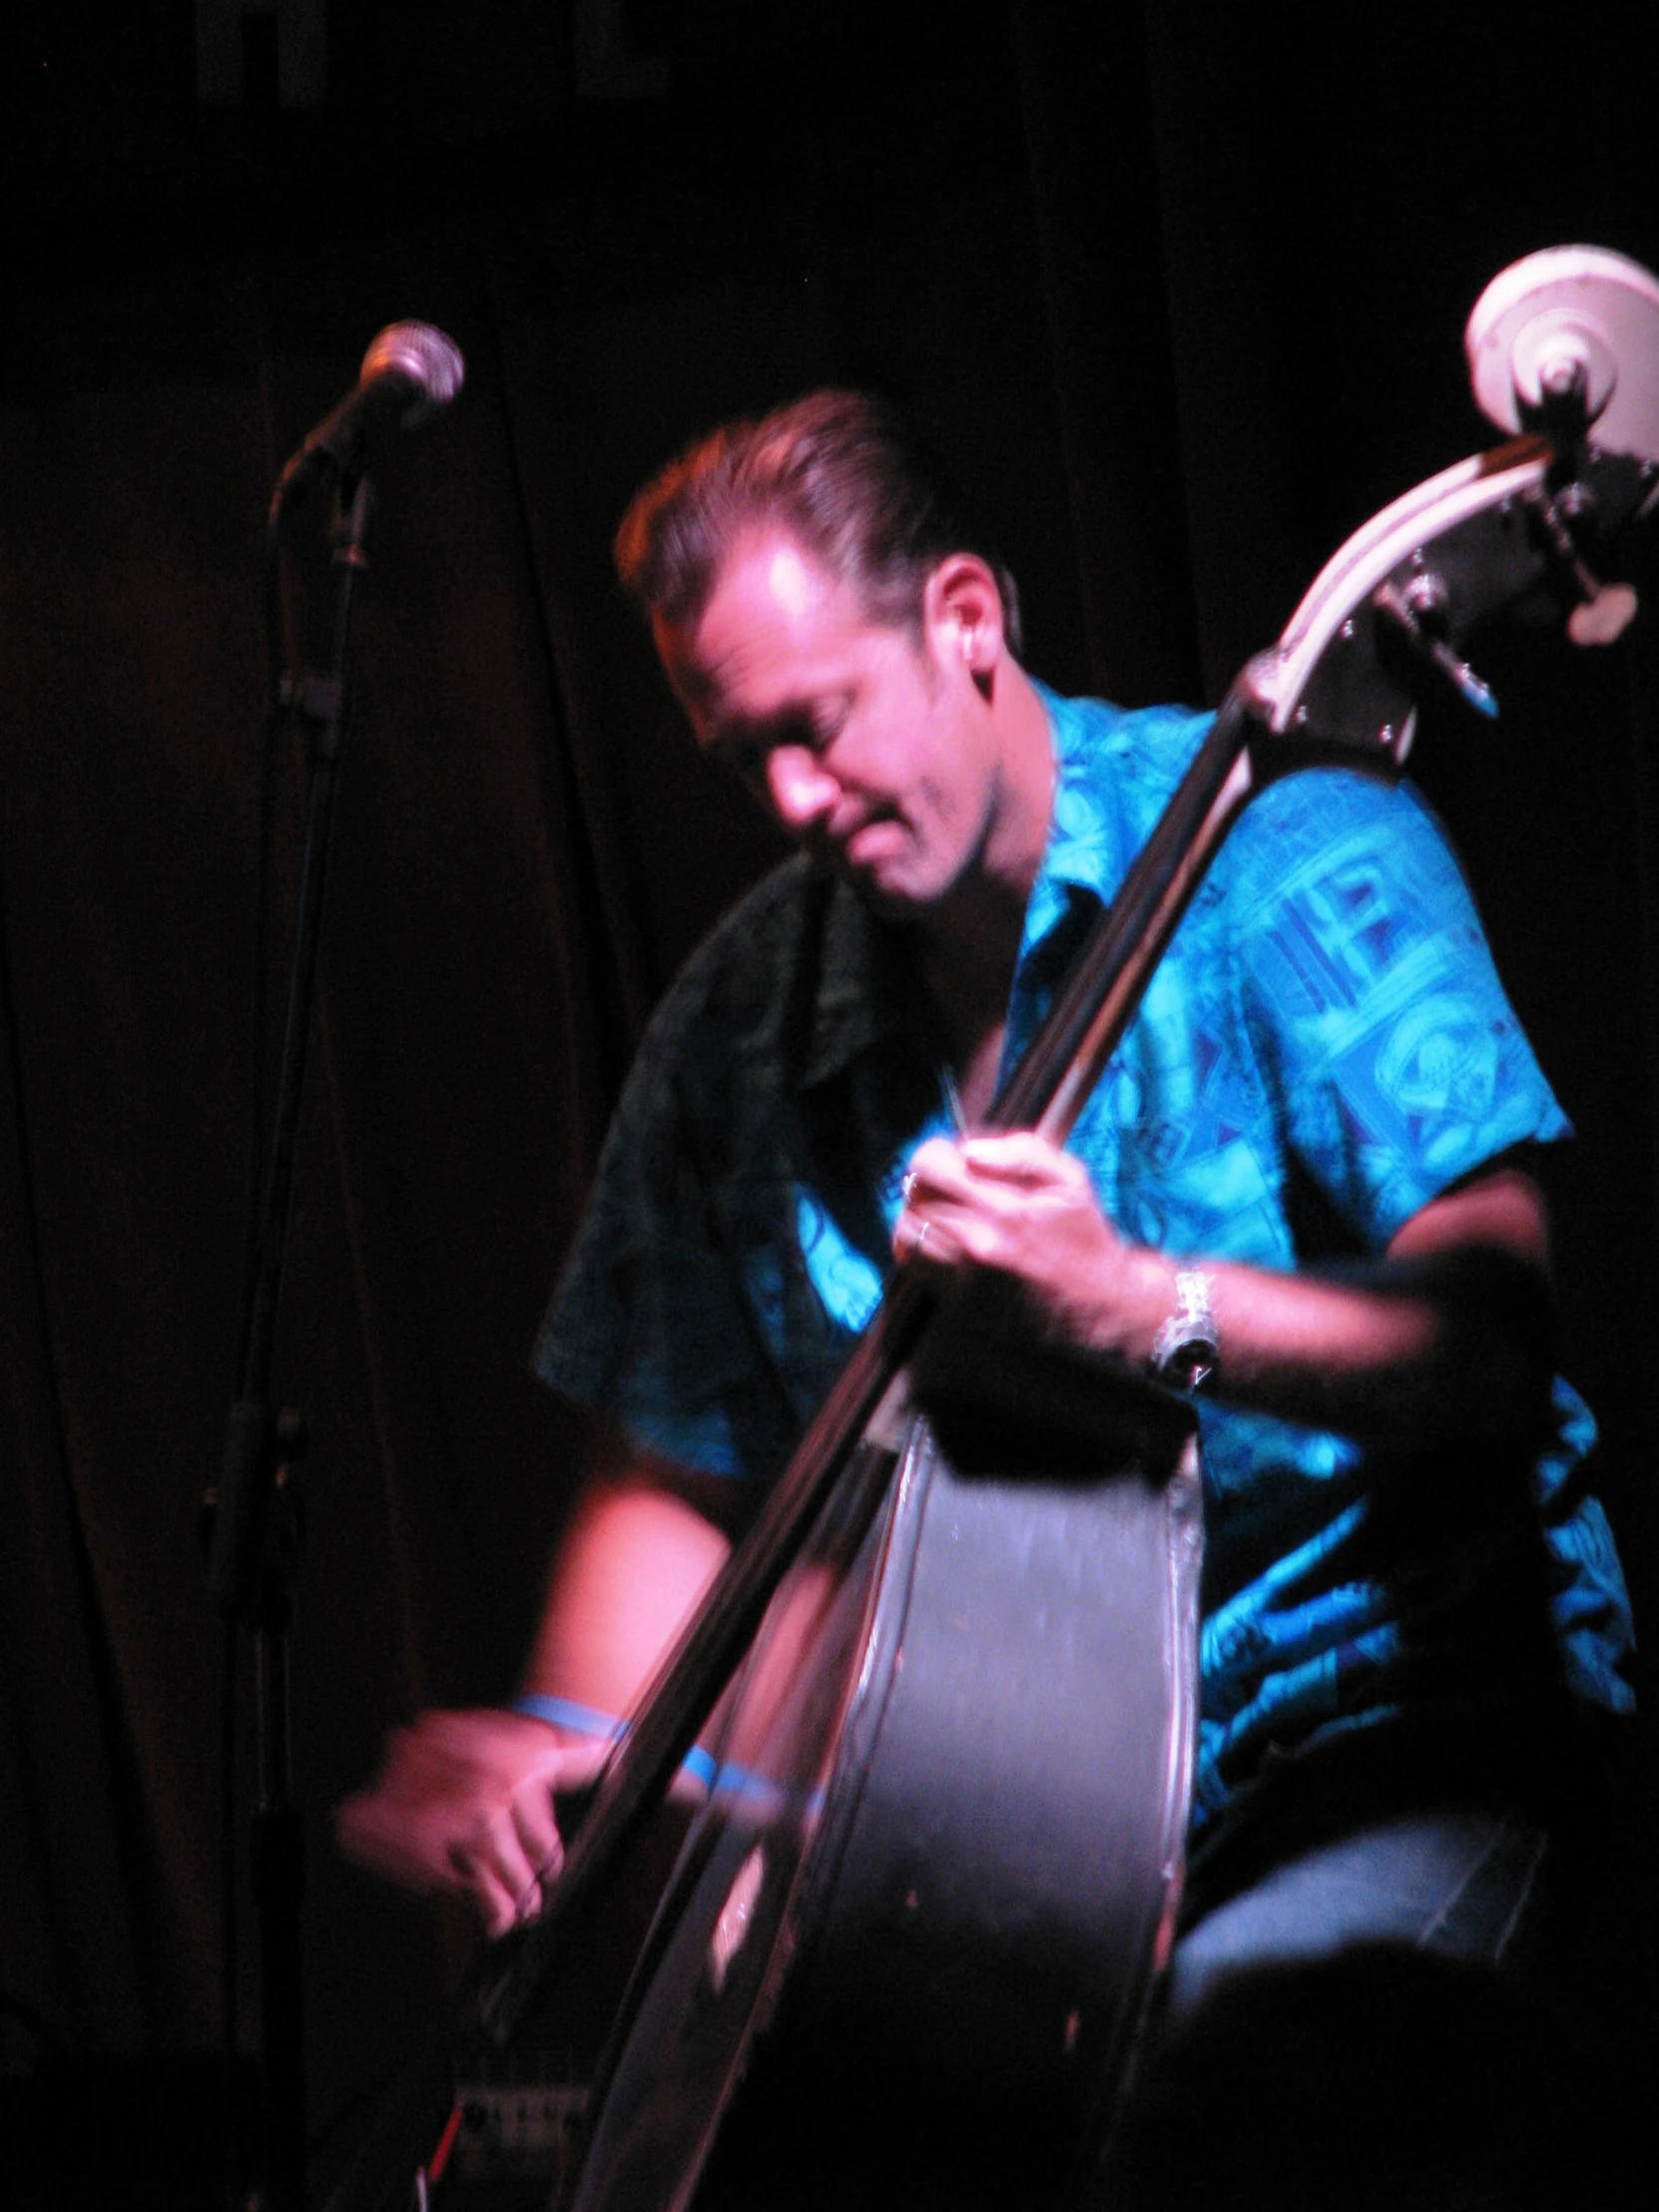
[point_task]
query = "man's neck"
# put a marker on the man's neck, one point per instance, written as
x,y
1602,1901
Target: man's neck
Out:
x,y
968,944
966,1009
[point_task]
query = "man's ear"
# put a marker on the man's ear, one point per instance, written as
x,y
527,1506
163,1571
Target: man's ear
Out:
x,y
961,611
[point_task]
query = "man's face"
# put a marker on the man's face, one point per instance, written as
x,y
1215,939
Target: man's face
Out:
x,y
870,745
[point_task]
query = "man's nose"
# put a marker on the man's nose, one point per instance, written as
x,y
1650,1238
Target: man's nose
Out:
x,y
801,789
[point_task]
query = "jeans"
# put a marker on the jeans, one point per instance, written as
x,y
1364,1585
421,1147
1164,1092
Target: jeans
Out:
x,y
1353,2029
1454,1883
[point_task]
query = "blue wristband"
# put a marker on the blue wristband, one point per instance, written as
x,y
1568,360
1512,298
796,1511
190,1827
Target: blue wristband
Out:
x,y
564,1712
586,1720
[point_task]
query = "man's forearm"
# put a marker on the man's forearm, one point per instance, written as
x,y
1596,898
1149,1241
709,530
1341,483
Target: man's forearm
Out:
x,y
1449,1333
633,1566
1454,1343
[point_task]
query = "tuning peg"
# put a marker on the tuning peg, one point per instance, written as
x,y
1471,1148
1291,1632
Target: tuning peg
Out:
x,y
1604,611
1605,618
1418,613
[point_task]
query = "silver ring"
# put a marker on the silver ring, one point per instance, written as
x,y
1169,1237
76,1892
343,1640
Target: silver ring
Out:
x,y
918,1241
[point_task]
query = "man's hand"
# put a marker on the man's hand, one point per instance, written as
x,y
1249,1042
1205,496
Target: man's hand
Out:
x,y
463,1802
1017,1209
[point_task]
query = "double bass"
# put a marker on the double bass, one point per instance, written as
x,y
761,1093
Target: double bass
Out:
x,y
940,1861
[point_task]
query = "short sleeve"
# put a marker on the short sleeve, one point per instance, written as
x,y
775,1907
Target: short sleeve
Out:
x,y
1397,1060
646,1321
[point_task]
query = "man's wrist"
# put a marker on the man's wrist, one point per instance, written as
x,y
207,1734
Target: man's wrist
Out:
x,y
567,1714
576,1719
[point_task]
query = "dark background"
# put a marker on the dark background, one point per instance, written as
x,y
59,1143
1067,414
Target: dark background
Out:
x,y
1183,289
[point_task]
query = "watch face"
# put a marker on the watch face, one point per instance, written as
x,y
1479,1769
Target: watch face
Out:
x,y
1193,1362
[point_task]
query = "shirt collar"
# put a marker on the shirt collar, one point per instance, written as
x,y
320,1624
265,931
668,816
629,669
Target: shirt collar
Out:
x,y
1085,850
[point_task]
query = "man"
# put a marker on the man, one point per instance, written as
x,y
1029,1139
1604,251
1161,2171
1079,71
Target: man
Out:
x,y
1305,1170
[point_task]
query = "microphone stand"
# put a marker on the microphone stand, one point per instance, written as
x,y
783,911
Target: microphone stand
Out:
x,y
255,1546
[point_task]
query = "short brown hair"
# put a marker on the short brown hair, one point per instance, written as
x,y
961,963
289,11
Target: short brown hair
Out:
x,y
853,478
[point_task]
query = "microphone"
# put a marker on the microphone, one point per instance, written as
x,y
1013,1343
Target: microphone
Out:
x,y
409,371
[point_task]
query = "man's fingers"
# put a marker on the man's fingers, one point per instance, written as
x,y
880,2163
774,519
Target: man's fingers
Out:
x,y
935,1168
492,1863
498,1862
1020,1156
1016,1163
537,1831
464,1801
502,1907
947,1235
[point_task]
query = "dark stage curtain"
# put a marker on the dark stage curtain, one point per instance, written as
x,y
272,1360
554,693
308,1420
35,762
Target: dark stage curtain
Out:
x,y
1183,289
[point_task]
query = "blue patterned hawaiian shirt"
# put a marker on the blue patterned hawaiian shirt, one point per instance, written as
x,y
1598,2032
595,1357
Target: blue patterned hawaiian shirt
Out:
x,y
1325,1047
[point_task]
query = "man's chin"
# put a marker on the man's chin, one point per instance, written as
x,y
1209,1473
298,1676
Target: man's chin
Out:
x,y
885,890
887,870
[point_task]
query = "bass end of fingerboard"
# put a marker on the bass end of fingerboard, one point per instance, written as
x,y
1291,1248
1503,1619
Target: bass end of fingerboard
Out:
x,y
889,1425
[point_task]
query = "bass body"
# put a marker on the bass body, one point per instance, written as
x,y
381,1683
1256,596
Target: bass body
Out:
x,y
942,1856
